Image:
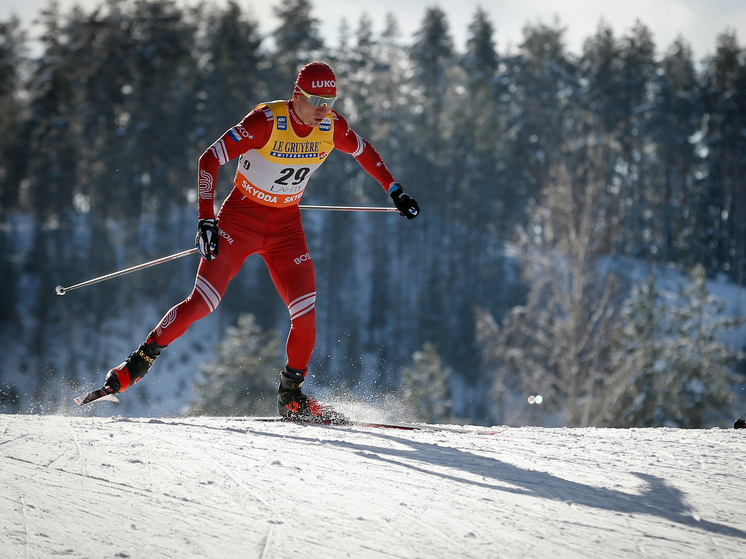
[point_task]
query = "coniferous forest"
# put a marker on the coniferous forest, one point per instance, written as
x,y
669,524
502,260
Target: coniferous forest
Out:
x,y
544,177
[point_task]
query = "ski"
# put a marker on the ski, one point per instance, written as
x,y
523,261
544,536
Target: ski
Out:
x,y
436,428
382,425
94,396
101,394
427,427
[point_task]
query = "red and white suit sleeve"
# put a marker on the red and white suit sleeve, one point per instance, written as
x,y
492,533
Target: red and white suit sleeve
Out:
x,y
348,141
251,133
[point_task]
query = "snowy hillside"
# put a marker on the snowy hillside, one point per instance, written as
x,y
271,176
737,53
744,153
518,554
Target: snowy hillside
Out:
x,y
208,487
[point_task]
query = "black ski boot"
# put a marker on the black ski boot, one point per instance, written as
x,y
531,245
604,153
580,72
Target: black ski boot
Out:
x,y
136,366
293,405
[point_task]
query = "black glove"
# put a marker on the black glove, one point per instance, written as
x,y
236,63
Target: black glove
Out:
x,y
406,205
207,238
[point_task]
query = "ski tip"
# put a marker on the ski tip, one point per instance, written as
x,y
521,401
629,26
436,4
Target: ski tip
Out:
x,y
95,397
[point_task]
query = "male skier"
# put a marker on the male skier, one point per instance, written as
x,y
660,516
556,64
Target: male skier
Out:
x,y
279,145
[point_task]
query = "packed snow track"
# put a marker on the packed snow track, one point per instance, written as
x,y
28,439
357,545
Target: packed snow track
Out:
x,y
222,487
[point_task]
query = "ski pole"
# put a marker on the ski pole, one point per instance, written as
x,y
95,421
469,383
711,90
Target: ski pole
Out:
x,y
349,208
59,290
62,290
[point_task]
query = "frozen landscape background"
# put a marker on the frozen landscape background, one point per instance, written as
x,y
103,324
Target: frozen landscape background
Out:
x,y
626,156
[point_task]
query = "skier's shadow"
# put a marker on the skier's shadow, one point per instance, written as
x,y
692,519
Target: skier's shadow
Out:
x,y
659,499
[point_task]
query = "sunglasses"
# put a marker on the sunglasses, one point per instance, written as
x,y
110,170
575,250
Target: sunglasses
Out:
x,y
318,101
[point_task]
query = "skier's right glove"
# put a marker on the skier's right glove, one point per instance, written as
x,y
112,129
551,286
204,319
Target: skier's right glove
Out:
x,y
406,205
207,238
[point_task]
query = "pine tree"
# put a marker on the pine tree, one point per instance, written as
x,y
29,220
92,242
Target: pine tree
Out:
x,y
698,389
13,156
377,84
424,389
52,124
477,206
297,42
638,359
640,188
435,72
432,55
679,372
482,141
617,97
546,83
12,64
242,379
723,208
231,80
599,70
676,121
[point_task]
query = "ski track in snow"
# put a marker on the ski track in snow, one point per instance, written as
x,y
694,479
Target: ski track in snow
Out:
x,y
226,487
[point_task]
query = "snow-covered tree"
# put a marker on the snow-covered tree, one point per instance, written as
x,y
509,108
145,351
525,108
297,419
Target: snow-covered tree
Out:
x,y
638,358
243,377
424,388
701,380
678,371
557,343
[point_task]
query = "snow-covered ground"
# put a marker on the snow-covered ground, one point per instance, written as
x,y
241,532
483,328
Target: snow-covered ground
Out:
x,y
217,487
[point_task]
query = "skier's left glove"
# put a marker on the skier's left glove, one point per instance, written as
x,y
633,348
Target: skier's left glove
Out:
x,y
406,205
208,236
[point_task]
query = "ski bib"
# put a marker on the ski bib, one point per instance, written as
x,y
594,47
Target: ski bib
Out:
x,y
277,173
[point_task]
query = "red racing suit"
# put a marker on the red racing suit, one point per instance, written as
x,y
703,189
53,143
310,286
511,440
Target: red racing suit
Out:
x,y
278,153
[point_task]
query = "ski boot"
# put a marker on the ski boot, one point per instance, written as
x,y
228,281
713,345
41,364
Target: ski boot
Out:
x,y
293,405
136,366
